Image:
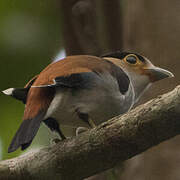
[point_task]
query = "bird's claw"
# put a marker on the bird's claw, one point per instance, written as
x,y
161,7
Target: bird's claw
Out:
x,y
80,130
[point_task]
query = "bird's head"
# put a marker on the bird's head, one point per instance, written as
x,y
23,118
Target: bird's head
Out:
x,y
141,72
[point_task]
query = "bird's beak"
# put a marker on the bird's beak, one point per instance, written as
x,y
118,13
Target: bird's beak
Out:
x,y
157,74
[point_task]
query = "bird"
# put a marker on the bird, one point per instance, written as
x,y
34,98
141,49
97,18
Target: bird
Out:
x,y
82,91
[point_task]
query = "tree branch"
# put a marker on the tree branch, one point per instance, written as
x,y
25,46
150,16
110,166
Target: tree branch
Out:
x,y
103,147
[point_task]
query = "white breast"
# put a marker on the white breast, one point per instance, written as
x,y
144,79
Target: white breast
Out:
x,y
101,102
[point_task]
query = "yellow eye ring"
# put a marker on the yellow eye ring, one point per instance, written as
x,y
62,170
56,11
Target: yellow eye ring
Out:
x,y
131,59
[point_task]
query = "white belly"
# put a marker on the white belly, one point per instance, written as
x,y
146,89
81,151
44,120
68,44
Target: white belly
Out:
x,y
101,102
99,105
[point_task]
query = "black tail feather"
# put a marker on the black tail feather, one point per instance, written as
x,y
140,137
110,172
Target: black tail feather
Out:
x,y
26,132
20,94
17,93
24,146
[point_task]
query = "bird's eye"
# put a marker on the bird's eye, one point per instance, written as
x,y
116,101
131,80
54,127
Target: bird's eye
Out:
x,y
131,59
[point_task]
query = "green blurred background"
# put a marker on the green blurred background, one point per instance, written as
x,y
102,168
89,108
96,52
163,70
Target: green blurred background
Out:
x,y
30,39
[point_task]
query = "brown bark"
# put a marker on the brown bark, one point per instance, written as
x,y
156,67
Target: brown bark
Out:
x,y
79,25
103,147
92,27
113,24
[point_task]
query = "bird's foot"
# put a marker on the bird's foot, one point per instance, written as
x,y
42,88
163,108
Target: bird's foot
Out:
x,y
91,123
80,130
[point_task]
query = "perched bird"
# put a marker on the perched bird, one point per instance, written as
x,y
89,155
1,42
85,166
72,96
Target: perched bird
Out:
x,y
82,90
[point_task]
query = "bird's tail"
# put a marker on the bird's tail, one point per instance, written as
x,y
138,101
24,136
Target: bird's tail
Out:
x,y
17,93
26,132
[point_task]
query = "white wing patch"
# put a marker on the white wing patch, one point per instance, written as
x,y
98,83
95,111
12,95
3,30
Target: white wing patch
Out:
x,y
9,91
46,85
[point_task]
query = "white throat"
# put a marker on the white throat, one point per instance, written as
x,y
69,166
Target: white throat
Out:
x,y
140,84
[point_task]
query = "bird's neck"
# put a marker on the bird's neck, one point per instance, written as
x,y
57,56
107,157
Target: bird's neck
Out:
x,y
140,84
